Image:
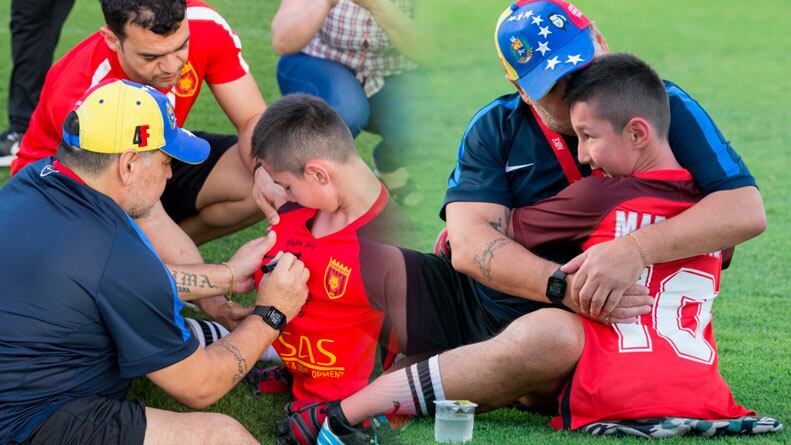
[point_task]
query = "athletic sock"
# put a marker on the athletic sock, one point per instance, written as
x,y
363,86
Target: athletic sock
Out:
x,y
411,390
208,332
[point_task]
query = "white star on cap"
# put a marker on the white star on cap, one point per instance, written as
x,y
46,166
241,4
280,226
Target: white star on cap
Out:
x,y
544,31
551,63
575,59
537,20
543,47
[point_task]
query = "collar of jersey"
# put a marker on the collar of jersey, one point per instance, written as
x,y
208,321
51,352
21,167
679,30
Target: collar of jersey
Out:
x,y
665,175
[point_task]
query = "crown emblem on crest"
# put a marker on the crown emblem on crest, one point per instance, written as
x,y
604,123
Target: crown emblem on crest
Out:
x,y
336,277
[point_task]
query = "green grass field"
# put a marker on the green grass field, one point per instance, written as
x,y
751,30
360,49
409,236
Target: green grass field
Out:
x,y
730,55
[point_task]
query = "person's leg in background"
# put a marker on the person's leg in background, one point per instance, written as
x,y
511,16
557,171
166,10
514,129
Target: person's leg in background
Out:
x,y
393,117
329,80
35,30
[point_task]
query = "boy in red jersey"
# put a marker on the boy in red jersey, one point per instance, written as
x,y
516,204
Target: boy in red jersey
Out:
x,y
652,376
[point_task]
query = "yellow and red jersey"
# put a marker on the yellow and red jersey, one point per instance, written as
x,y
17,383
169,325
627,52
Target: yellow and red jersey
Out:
x,y
336,343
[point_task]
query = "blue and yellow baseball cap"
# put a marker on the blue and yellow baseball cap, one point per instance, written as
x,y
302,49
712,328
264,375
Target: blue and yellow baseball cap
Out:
x,y
541,41
119,115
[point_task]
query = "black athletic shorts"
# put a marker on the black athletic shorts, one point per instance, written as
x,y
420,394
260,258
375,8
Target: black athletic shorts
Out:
x,y
93,420
181,191
443,309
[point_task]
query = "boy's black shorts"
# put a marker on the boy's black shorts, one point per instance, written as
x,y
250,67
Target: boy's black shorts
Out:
x,y
443,309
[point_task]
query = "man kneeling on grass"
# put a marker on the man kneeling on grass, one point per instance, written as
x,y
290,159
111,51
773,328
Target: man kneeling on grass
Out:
x,y
87,304
653,376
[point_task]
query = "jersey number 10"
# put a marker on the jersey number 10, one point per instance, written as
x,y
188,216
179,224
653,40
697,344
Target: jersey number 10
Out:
x,y
679,293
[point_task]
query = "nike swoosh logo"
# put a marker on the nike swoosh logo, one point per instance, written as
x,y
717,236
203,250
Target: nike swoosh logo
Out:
x,y
510,168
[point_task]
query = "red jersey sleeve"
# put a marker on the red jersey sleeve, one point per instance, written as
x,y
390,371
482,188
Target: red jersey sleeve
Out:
x,y
568,217
224,48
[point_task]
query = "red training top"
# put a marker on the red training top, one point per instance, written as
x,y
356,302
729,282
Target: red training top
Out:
x,y
215,54
333,346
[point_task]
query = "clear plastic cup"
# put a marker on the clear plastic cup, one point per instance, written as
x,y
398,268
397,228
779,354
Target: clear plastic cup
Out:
x,y
453,421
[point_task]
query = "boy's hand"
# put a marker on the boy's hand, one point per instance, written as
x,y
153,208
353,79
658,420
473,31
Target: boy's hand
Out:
x,y
268,195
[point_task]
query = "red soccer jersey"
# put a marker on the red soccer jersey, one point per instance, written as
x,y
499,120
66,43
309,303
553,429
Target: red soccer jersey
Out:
x,y
665,365
215,54
331,347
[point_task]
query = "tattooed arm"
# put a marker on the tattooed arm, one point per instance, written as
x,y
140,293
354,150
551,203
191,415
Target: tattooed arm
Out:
x,y
482,249
202,378
196,281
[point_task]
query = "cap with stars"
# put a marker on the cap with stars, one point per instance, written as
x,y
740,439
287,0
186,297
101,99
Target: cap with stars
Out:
x,y
541,41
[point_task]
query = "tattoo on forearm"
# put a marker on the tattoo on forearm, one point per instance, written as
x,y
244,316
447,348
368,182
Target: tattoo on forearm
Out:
x,y
484,260
241,362
501,224
185,281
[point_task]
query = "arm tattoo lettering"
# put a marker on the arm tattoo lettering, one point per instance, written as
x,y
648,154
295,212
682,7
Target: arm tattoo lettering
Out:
x,y
241,362
185,281
484,260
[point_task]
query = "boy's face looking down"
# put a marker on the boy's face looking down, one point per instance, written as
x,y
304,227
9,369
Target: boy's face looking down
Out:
x,y
602,146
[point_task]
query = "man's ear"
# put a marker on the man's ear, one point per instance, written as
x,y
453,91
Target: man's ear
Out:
x,y
600,37
522,93
111,39
639,132
128,163
317,170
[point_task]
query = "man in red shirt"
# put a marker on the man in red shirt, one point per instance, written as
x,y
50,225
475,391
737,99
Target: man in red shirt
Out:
x,y
172,46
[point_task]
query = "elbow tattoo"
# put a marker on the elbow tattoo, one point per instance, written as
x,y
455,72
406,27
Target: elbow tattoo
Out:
x,y
241,362
501,224
484,259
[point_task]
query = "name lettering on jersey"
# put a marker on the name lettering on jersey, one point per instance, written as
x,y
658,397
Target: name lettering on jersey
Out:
x,y
627,222
309,357
294,243
336,277
188,82
140,137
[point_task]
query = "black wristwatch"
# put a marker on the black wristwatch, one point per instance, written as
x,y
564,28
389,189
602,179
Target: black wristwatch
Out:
x,y
556,287
271,316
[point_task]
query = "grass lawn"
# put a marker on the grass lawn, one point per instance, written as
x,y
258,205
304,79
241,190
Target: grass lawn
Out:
x,y
727,54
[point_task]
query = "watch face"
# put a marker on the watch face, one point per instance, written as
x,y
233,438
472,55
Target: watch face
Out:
x,y
276,317
556,289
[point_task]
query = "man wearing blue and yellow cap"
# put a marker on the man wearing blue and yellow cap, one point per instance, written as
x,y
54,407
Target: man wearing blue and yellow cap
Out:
x,y
87,302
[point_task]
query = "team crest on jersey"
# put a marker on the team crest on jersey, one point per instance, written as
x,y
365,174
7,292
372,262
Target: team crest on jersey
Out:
x,y
188,83
336,277
521,50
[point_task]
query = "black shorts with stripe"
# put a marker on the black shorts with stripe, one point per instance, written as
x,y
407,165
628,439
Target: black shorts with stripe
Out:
x,y
443,309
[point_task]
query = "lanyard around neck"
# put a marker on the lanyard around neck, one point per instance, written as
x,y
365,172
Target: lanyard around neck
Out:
x,y
561,150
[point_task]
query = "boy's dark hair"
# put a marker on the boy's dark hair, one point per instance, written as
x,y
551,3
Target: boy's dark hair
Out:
x,y
159,16
298,128
619,87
